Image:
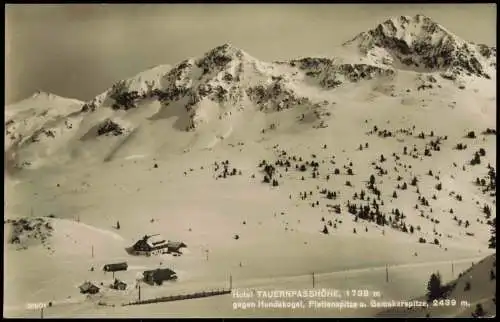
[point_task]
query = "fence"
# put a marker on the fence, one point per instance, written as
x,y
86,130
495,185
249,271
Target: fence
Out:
x,y
181,297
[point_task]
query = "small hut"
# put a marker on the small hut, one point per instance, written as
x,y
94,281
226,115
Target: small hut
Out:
x,y
119,285
158,276
88,288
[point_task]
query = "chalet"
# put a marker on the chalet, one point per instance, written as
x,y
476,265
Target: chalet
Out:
x,y
115,267
88,288
158,276
119,285
149,245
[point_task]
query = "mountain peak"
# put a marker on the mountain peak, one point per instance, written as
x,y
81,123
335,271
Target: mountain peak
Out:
x,y
40,93
406,30
220,57
411,28
418,42
44,97
416,19
226,46
225,50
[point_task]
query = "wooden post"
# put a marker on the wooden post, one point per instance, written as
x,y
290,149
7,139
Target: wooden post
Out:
x,y
92,251
41,313
387,273
230,282
113,276
313,280
139,290
452,270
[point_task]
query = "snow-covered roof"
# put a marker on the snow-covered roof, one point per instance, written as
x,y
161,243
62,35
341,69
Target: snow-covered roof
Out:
x,y
159,270
175,244
156,240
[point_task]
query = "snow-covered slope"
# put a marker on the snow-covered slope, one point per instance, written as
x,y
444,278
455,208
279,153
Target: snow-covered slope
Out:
x,y
37,127
476,286
33,113
53,245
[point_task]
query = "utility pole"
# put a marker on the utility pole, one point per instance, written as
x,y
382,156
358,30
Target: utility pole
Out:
x,y
452,270
313,280
387,273
92,251
230,282
139,290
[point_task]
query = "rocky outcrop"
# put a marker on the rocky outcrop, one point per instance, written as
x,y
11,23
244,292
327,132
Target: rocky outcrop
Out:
x,y
275,96
332,74
218,58
109,127
49,133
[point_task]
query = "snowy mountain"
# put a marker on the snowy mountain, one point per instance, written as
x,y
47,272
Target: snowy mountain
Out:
x,y
211,90
223,76
419,43
219,84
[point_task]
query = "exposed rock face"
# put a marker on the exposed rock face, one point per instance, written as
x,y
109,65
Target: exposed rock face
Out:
x,y
89,106
357,72
46,132
420,42
275,96
123,99
218,58
332,74
109,127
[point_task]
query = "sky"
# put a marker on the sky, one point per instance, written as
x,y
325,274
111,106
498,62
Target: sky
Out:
x,y
80,50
